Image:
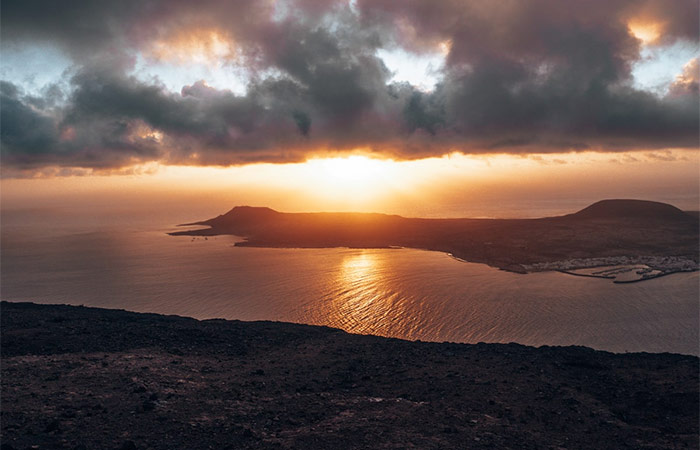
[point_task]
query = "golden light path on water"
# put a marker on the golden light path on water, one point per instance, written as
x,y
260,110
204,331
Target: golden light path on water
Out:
x,y
426,295
359,273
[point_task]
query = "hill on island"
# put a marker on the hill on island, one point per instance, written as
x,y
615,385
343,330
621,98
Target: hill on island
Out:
x,y
609,228
641,209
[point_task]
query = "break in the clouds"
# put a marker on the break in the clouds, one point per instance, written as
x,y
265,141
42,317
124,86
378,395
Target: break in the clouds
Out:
x,y
511,76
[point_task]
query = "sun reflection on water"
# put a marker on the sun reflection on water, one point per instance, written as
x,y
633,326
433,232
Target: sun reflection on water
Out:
x,y
358,267
360,292
360,279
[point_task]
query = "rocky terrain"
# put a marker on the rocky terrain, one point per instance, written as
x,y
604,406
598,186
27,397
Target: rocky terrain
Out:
x,y
641,232
87,378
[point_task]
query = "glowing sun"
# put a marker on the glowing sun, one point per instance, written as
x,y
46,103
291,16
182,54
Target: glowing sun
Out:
x,y
354,176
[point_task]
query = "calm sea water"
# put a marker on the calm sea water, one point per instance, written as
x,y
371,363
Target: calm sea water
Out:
x,y
401,293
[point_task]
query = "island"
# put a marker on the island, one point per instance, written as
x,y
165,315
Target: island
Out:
x,y
648,239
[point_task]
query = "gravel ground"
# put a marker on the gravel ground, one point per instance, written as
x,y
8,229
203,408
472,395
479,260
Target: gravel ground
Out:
x,y
88,378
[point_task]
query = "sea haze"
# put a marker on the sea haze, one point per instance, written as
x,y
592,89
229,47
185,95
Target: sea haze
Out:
x,y
132,264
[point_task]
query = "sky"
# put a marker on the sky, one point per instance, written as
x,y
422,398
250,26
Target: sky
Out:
x,y
415,107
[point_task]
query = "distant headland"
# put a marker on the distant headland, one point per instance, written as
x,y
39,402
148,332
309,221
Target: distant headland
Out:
x,y
651,238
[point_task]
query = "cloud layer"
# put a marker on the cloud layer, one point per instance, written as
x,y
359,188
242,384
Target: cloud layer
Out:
x,y
519,77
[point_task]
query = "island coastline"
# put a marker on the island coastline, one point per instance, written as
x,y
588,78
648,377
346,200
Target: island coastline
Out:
x,y
645,233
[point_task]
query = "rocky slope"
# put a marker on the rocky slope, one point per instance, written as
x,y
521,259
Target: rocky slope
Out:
x,y
86,378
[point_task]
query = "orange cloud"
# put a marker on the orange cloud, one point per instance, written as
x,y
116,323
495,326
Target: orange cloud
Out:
x,y
198,46
647,32
687,81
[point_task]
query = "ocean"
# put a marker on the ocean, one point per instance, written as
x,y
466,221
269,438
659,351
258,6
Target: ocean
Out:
x,y
131,263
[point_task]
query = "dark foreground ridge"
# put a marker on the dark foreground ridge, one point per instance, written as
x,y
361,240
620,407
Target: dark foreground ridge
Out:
x,y
76,377
641,230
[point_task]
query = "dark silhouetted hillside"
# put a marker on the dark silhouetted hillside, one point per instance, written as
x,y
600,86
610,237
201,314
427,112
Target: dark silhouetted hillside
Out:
x,y
636,209
76,377
610,228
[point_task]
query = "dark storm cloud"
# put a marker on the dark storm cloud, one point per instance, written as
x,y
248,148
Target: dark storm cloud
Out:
x,y
537,76
32,136
24,130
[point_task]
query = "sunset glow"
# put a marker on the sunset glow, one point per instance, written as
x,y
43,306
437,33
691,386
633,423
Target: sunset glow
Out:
x,y
357,176
646,32
349,224
454,186
198,46
350,105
